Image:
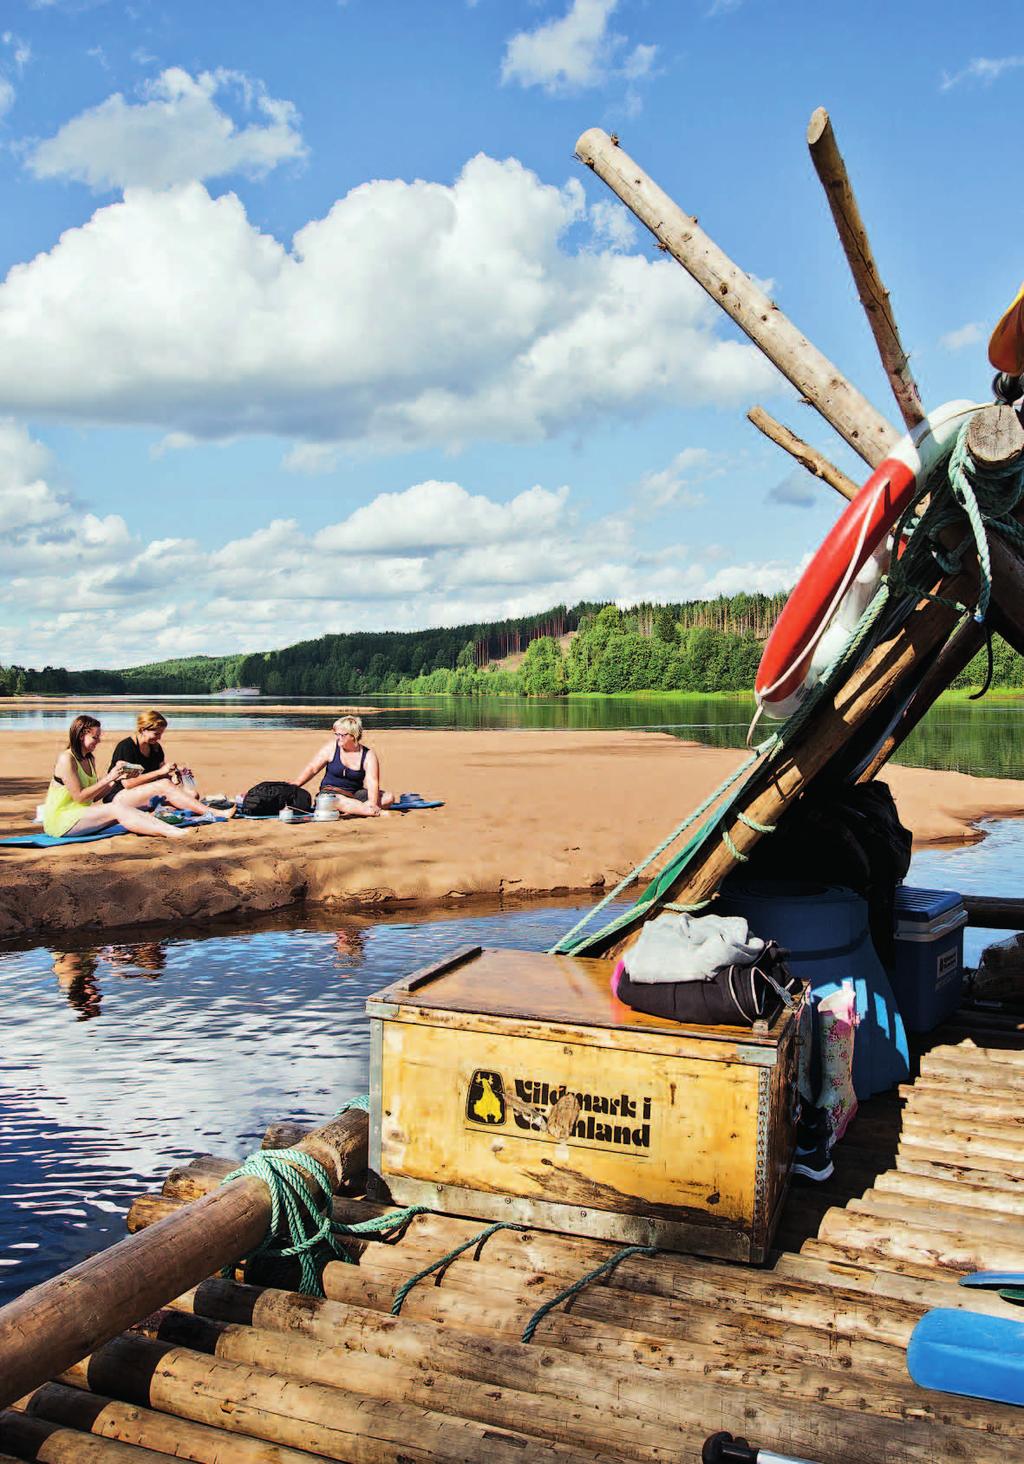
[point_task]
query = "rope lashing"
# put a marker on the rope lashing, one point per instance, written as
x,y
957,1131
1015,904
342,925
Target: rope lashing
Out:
x,y
438,1268
308,1220
571,1292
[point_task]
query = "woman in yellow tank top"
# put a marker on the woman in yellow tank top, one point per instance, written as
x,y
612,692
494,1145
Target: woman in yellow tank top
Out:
x,y
74,799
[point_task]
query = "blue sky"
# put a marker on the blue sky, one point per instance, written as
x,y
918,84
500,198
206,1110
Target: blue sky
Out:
x,y
310,321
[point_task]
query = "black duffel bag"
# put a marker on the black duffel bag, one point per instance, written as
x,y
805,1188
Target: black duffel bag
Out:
x,y
265,800
735,996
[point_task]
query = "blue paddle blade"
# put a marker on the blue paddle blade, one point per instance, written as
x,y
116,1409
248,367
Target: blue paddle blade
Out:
x,y
1011,1293
968,1353
993,1279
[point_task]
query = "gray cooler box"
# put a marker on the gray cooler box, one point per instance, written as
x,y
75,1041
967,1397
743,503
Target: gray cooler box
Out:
x,y
928,967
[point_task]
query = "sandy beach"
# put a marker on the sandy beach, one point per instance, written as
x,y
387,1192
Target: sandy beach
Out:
x,y
526,814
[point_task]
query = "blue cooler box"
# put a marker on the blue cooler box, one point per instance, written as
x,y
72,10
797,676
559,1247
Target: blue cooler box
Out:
x,y
928,968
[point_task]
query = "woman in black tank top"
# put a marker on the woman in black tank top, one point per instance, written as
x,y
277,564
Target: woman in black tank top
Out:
x,y
351,771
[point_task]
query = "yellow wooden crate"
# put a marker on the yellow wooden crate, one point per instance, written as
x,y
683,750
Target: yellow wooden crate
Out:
x,y
515,1086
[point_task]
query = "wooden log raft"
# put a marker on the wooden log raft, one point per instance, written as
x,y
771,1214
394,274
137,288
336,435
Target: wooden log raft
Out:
x,y
61,1320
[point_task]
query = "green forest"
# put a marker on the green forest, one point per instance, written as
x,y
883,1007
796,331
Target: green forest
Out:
x,y
695,646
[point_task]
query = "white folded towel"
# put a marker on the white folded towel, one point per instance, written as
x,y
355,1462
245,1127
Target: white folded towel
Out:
x,y
690,948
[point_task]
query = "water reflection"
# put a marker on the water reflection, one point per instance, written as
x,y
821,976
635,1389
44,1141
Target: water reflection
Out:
x,y
76,976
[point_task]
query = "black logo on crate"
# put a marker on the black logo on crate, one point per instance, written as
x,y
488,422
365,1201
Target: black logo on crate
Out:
x,y
485,1102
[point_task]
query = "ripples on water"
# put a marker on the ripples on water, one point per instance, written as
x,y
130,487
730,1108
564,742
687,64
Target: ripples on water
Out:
x,y
121,1061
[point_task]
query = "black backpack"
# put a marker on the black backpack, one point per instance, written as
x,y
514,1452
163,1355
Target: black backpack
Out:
x,y
849,836
265,800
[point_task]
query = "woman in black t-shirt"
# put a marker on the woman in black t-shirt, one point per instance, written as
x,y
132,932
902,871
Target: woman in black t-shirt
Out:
x,y
145,751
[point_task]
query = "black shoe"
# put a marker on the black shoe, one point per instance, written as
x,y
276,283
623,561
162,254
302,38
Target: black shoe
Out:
x,y
814,1127
814,1162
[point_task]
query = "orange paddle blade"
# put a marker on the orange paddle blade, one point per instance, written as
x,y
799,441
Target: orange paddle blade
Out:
x,y
1006,348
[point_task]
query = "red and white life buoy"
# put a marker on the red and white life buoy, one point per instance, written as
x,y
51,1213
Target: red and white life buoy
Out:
x,y
839,583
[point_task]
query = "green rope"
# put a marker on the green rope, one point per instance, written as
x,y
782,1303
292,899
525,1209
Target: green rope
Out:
x,y
758,828
571,1292
438,1268
566,944
309,1223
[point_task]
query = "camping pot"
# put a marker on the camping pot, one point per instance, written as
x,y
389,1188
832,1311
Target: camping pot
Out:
x,y
326,803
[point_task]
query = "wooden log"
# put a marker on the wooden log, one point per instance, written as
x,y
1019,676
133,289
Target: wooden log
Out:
x,y
808,457
995,437
919,1293
199,1177
976,1197
35,1438
284,1135
59,1321
808,1384
830,1250
947,1218
939,1166
994,912
577,1416
673,1305
922,1245
814,377
999,1129
874,297
658,1432
127,1423
333,1423
984,1064
544,1368
952,658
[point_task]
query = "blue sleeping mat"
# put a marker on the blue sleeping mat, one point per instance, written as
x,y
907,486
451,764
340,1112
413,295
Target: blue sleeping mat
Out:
x,y
47,841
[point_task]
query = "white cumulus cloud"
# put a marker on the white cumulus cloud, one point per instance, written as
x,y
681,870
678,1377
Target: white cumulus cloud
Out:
x,y
80,590
575,51
176,132
412,314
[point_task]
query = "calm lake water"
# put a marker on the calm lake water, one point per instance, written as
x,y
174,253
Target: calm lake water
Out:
x,y
985,737
121,1060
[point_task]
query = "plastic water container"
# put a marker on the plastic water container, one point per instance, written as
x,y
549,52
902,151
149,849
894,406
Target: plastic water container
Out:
x,y
928,967
824,928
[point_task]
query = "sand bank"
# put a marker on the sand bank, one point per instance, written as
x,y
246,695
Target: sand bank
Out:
x,y
527,813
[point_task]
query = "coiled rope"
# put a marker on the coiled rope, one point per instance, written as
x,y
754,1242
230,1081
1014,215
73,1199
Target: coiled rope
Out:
x,y
302,1226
